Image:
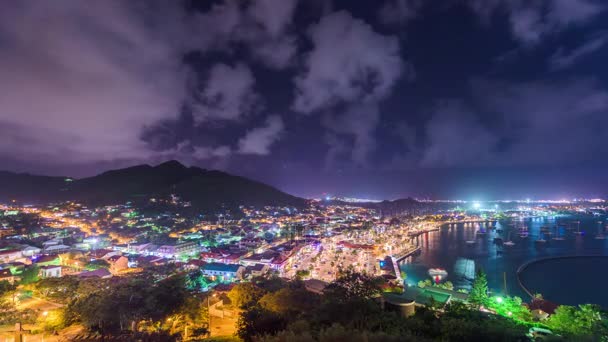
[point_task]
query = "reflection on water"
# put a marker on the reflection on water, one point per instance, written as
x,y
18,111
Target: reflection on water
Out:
x,y
456,247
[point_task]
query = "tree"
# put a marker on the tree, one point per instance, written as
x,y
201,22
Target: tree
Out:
x,y
196,281
353,285
289,301
424,283
61,289
53,320
300,274
6,287
255,321
479,291
245,294
97,264
30,275
447,285
510,307
586,320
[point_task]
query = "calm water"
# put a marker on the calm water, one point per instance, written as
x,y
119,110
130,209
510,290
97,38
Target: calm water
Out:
x,y
587,277
447,248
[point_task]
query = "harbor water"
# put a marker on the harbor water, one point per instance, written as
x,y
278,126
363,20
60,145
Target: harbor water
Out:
x,y
460,249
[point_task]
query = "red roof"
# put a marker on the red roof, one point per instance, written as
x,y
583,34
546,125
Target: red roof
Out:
x,y
98,253
46,258
196,262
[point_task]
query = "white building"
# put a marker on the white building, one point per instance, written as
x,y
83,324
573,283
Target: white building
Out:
x,y
227,271
50,271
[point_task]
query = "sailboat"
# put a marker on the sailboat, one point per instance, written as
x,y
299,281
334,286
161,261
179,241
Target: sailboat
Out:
x,y
541,239
509,243
578,229
523,233
557,236
600,235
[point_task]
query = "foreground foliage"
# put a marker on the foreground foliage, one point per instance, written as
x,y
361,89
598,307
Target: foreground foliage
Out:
x,y
350,310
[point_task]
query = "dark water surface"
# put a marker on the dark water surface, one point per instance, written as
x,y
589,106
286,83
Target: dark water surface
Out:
x,y
557,279
447,248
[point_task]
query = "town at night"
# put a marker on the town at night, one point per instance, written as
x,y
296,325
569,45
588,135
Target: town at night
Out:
x,y
303,170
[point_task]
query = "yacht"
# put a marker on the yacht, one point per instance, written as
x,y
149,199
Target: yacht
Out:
x,y
509,243
578,229
557,236
438,272
600,234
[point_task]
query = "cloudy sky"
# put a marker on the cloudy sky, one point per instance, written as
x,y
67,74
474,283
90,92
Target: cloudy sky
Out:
x,y
378,99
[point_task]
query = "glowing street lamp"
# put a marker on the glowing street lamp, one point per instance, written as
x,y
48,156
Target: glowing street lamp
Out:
x,y
499,300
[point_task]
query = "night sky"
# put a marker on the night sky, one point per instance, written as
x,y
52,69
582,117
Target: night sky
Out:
x,y
470,99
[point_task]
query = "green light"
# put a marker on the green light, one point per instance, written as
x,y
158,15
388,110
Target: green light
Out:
x,y
498,300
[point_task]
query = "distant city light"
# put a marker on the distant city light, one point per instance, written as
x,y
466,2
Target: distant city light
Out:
x,y
476,205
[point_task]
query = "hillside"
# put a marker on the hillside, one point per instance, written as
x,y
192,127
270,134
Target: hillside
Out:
x,y
206,189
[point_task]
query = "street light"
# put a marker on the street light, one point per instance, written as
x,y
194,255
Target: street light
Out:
x,y
209,312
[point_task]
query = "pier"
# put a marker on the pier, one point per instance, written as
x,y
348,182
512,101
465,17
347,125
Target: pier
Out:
x,y
406,253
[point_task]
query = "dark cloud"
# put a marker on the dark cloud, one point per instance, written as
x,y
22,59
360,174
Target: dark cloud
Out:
x,y
258,140
227,94
515,124
263,27
563,59
454,137
357,124
530,21
396,12
79,80
548,122
88,86
349,62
